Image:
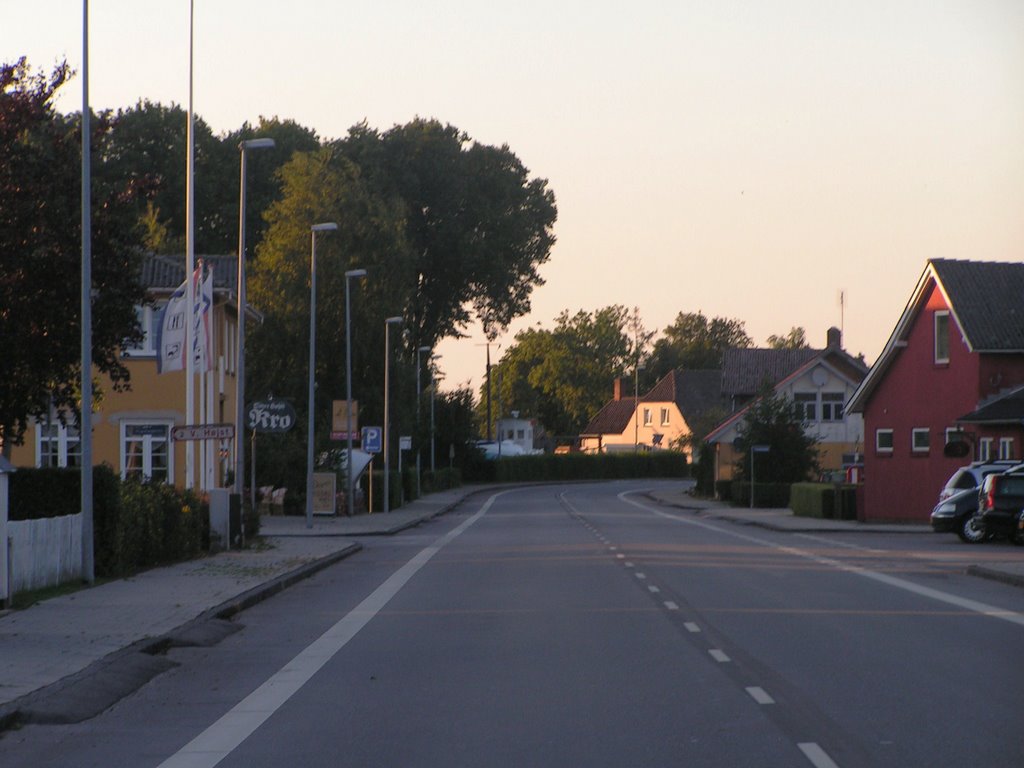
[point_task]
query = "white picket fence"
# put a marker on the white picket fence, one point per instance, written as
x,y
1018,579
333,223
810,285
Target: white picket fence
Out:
x,y
44,553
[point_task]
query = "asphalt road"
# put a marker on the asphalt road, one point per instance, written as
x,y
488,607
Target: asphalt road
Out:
x,y
585,625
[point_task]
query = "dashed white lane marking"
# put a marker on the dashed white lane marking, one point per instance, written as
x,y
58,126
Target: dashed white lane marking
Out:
x,y
671,606
620,556
641,575
691,627
720,656
628,564
224,736
985,609
818,757
612,549
653,588
760,695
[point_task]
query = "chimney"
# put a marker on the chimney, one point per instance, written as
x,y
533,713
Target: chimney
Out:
x,y
835,338
617,388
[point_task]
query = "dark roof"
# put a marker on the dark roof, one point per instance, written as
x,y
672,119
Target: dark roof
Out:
x,y
745,371
165,273
693,392
1007,408
613,418
987,298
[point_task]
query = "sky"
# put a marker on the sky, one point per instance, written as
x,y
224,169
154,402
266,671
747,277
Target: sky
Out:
x,y
749,160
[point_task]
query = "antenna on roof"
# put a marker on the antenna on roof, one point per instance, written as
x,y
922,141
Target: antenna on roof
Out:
x,y
842,312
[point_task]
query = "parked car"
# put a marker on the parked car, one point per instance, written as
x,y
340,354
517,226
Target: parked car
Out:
x,y
1001,504
971,476
957,514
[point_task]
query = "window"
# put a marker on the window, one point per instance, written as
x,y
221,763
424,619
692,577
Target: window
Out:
x,y
148,318
1005,448
883,440
985,449
832,406
57,445
145,450
805,406
664,417
920,439
648,418
942,337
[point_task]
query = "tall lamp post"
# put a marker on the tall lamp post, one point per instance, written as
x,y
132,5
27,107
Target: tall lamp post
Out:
x,y
418,398
387,396
433,396
349,487
243,147
326,227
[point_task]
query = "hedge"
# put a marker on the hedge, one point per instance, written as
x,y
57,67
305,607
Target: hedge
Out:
x,y
766,495
821,500
578,466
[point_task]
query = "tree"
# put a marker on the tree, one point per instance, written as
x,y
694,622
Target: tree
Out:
x,y
477,227
771,421
795,339
694,342
564,376
40,253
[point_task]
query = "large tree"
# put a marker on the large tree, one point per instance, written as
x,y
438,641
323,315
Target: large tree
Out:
x,y
40,253
695,342
792,454
563,376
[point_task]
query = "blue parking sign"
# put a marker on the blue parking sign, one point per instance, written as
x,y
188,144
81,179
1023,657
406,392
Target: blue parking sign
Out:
x,y
372,439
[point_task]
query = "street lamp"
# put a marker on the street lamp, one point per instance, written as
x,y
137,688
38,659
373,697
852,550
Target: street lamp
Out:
x,y
326,227
240,346
433,396
418,398
387,396
360,273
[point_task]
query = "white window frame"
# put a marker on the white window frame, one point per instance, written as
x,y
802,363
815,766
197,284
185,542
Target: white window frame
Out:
x,y
1005,448
148,316
648,417
68,439
879,448
915,434
940,357
985,448
837,403
665,416
148,441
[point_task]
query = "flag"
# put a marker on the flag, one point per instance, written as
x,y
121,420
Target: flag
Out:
x,y
170,333
202,345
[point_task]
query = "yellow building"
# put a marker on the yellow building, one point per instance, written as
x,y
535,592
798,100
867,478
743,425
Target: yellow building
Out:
x,y
132,431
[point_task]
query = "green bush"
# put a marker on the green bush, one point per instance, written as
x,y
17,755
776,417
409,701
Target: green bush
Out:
x,y
441,480
45,492
766,495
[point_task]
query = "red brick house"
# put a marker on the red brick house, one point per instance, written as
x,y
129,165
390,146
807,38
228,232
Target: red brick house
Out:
x,y
955,358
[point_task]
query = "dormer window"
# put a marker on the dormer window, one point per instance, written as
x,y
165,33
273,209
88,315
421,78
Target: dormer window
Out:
x,y
942,336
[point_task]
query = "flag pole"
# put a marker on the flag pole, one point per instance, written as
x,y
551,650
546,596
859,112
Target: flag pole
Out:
x,y
190,292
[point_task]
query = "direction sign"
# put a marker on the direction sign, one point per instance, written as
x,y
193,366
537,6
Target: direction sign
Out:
x,y
373,439
204,432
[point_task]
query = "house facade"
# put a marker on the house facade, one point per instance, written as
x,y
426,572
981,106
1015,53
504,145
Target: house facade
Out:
x,y
132,430
657,419
957,349
817,381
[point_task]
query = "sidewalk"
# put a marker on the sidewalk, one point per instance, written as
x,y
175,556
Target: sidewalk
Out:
x,y
96,645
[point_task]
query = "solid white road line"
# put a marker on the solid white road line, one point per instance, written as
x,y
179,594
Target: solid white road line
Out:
x,y
760,695
720,656
975,606
225,735
818,757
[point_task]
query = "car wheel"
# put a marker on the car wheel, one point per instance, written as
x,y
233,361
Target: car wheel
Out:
x,y
972,531
1017,537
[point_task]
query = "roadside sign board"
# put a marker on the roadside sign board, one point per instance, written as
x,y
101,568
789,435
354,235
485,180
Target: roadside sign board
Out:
x,y
204,432
325,486
340,414
405,443
373,439
270,416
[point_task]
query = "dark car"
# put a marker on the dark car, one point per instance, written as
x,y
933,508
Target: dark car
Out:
x,y
1001,504
956,514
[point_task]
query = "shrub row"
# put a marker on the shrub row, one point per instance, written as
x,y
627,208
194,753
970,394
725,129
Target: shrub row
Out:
x,y
767,495
136,525
824,500
578,466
